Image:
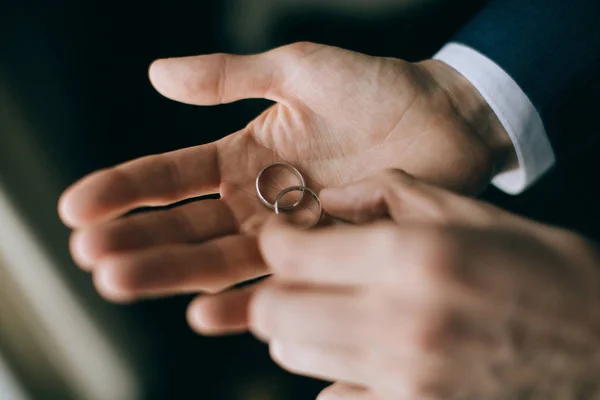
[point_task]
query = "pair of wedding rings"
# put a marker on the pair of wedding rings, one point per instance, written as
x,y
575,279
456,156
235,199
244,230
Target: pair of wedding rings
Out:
x,y
302,188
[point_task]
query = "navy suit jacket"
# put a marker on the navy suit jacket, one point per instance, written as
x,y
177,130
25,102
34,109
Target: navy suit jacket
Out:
x,y
551,48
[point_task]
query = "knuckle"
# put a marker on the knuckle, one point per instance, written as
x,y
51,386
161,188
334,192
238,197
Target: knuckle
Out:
x,y
440,256
301,47
173,178
425,330
433,331
222,78
296,51
207,82
385,239
182,219
119,180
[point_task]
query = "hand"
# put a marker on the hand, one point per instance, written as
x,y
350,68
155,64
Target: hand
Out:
x,y
338,116
450,299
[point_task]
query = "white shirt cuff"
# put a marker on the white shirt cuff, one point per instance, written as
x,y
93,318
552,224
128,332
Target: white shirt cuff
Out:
x,y
514,110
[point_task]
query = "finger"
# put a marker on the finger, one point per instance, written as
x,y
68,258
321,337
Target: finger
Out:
x,y
467,266
221,313
425,263
189,223
345,391
310,315
390,379
347,317
399,380
223,78
176,269
149,181
322,362
213,79
368,199
348,255
398,195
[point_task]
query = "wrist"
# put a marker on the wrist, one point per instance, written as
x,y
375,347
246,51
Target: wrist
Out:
x,y
476,113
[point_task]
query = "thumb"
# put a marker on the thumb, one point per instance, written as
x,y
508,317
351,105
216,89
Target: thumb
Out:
x,y
369,199
224,78
400,196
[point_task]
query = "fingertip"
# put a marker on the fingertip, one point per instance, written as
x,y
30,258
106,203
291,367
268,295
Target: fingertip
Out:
x,y
110,284
80,204
199,319
156,72
222,313
152,66
66,210
82,249
189,80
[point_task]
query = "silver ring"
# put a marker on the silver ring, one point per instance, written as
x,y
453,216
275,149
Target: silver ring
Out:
x,y
272,205
299,189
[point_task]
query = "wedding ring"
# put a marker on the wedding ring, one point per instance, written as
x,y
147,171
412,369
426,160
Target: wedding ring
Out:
x,y
302,189
273,206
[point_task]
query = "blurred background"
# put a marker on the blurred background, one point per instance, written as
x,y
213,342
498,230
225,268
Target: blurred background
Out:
x,y
74,97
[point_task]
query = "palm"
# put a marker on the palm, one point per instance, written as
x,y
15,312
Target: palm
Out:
x,y
342,115
339,116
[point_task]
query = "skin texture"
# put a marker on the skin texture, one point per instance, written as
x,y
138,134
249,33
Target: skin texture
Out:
x,y
339,116
438,292
430,295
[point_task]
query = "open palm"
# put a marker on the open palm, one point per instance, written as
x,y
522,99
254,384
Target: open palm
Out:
x,y
339,116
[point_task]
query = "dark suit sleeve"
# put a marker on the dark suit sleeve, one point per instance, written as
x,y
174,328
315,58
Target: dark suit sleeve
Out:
x,y
551,48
